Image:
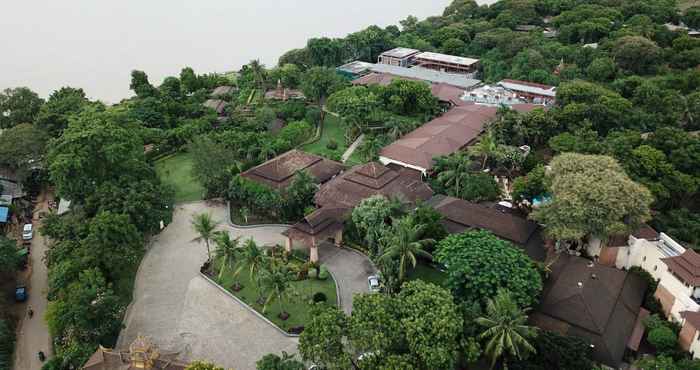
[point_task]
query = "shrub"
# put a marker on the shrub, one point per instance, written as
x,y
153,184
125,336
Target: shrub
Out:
x,y
332,144
323,274
7,343
319,297
663,338
312,273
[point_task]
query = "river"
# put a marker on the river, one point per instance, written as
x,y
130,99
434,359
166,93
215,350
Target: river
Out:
x,y
95,44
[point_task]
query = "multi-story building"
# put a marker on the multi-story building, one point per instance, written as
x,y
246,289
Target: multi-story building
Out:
x,y
448,63
400,57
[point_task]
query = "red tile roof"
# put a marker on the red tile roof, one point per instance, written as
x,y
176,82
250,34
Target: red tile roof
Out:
x,y
686,266
442,136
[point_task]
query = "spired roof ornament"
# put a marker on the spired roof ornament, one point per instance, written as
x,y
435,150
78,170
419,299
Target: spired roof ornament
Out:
x,y
143,353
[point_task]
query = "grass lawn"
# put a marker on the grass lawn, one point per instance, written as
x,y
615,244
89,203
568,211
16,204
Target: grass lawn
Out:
x,y
298,306
176,171
332,129
427,273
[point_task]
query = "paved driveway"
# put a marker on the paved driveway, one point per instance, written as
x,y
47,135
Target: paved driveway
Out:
x,y
182,312
350,270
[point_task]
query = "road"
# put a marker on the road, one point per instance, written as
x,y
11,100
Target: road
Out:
x,y
33,334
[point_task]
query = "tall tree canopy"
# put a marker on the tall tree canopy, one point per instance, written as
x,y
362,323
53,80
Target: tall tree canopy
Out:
x,y
592,195
18,105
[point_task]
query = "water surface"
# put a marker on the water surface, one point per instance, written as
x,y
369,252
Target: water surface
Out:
x,y
94,44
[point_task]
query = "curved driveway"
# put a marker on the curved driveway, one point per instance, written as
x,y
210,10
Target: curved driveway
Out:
x,y
182,312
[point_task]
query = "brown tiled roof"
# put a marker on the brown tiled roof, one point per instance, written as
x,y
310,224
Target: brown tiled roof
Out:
x,y
278,172
377,78
216,104
686,266
692,318
464,215
644,232
364,181
442,136
638,332
597,303
321,223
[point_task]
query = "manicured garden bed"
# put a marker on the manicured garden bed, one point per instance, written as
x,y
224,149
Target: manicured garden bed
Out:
x,y
176,171
253,219
298,306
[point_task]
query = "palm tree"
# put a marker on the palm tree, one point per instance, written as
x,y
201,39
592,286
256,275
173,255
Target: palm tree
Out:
x,y
485,148
267,151
403,241
226,250
252,257
277,282
454,170
506,332
204,225
258,71
369,148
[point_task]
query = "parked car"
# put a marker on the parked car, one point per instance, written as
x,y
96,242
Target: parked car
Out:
x,y
373,282
28,232
21,293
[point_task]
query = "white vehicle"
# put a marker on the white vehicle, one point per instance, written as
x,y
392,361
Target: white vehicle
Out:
x,y
28,232
373,282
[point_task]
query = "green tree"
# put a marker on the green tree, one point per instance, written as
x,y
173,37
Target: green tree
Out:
x,y
272,361
53,116
431,323
531,185
555,351
252,258
7,344
370,218
204,225
321,342
141,86
403,242
601,69
276,280
97,147
663,339
213,165
406,97
319,82
478,264
485,148
592,195
691,17
370,147
453,170
636,54
299,195
226,251
22,148
8,255
506,332
18,105
374,325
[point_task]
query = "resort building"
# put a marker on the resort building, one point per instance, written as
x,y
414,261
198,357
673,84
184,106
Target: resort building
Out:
x,y
142,354
400,57
428,75
597,303
447,134
278,173
340,195
531,92
447,63
492,95
460,215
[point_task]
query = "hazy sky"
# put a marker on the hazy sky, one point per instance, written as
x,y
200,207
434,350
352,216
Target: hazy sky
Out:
x,y
94,44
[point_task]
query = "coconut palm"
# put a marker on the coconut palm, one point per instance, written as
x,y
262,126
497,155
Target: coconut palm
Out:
x,y
506,333
453,170
485,148
258,71
226,250
253,258
403,241
371,145
276,281
267,151
204,225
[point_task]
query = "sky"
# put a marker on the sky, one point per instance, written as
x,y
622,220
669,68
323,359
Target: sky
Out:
x,y
95,44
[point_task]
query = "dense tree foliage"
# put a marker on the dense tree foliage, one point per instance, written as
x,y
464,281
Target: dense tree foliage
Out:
x,y
478,264
19,105
592,195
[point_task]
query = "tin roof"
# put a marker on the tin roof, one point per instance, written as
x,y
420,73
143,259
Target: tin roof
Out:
x,y
356,67
400,52
529,87
425,74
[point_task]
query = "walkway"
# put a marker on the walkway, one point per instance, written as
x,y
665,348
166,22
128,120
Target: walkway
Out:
x,y
352,148
169,296
350,269
33,334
